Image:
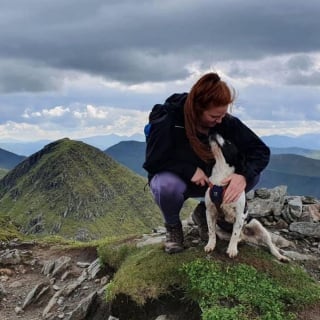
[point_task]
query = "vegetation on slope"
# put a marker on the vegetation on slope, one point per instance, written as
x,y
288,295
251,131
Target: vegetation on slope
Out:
x,y
3,172
252,286
69,187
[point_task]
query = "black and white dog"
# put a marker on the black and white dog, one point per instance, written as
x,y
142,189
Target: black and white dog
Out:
x,y
235,213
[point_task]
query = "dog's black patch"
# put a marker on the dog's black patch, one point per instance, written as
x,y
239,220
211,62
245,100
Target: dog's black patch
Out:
x,y
230,152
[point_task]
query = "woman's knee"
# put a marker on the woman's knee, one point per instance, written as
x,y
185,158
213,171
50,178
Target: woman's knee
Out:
x,y
167,184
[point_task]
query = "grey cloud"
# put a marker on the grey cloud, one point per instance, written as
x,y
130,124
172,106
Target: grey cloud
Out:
x,y
138,41
300,62
280,103
25,76
301,79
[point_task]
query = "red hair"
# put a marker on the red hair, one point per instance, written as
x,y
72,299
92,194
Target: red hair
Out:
x,y
208,91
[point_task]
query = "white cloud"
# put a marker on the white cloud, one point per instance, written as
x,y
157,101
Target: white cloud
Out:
x,y
93,73
290,128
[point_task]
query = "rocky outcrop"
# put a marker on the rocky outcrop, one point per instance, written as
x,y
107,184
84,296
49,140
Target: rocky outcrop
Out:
x,y
37,282
40,284
295,218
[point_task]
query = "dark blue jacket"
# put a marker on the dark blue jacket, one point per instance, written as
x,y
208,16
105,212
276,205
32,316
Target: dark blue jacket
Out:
x,y
168,148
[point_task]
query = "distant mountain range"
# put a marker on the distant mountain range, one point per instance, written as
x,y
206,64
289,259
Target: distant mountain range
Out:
x,y
299,173
307,141
296,167
27,148
9,160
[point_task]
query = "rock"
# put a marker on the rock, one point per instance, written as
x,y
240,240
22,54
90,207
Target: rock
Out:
x,y
151,240
314,212
83,264
10,257
51,303
60,265
299,256
294,207
164,317
3,291
94,269
18,310
16,284
309,200
81,311
309,229
267,202
71,287
34,294
263,193
48,267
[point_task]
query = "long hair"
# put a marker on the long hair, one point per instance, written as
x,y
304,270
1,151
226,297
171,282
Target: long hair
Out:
x,y
209,90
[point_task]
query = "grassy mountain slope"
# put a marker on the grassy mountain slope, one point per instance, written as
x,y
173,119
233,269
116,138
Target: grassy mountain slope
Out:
x,y
295,164
70,187
3,172
9,160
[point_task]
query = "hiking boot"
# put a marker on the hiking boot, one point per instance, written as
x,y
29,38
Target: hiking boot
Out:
x,y
200,219
174,239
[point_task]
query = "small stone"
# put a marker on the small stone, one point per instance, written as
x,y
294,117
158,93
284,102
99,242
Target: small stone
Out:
x,y
83,264
18,310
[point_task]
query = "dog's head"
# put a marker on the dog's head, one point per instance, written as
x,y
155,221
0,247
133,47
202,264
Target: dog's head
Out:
x,y
228,149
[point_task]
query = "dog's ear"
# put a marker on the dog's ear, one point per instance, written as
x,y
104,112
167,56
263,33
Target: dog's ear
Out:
x,y
229,151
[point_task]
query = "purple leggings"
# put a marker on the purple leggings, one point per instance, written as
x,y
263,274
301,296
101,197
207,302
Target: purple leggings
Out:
x,y
170,192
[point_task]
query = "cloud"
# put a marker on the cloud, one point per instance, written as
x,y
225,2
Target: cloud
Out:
x,y
98,67
151,41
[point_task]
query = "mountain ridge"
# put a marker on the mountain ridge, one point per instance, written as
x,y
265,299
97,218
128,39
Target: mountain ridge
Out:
x,y
300,173
308,141
73,189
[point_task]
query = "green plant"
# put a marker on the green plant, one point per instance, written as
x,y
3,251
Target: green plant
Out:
x,y
240,292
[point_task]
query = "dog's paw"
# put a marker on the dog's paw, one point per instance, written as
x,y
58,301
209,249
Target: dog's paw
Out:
x,y
283,258
210,246
232,252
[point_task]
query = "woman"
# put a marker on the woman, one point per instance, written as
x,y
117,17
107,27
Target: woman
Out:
x,y
178,157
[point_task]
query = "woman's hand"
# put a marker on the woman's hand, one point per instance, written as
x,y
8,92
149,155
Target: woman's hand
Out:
x,y
236,184
199,178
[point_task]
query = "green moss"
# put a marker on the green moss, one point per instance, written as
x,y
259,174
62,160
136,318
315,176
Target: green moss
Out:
x,y
252,287
145,273
8,230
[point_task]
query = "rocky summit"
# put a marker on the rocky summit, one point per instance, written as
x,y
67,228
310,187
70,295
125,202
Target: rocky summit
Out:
x,y
42,281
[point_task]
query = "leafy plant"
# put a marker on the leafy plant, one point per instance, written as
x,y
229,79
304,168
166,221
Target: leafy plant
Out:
x,y
241,292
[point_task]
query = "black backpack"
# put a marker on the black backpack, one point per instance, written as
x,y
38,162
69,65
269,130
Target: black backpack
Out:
x,y
158,131
165,111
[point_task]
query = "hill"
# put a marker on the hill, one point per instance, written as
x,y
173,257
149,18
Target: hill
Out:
x,y
130,154
308,141
77,191
314,154
299,173
294,164
9,160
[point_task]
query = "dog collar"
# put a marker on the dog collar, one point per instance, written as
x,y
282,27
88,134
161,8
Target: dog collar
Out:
x,y
216,193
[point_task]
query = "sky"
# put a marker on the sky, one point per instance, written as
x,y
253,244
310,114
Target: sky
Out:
x,y
81,68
